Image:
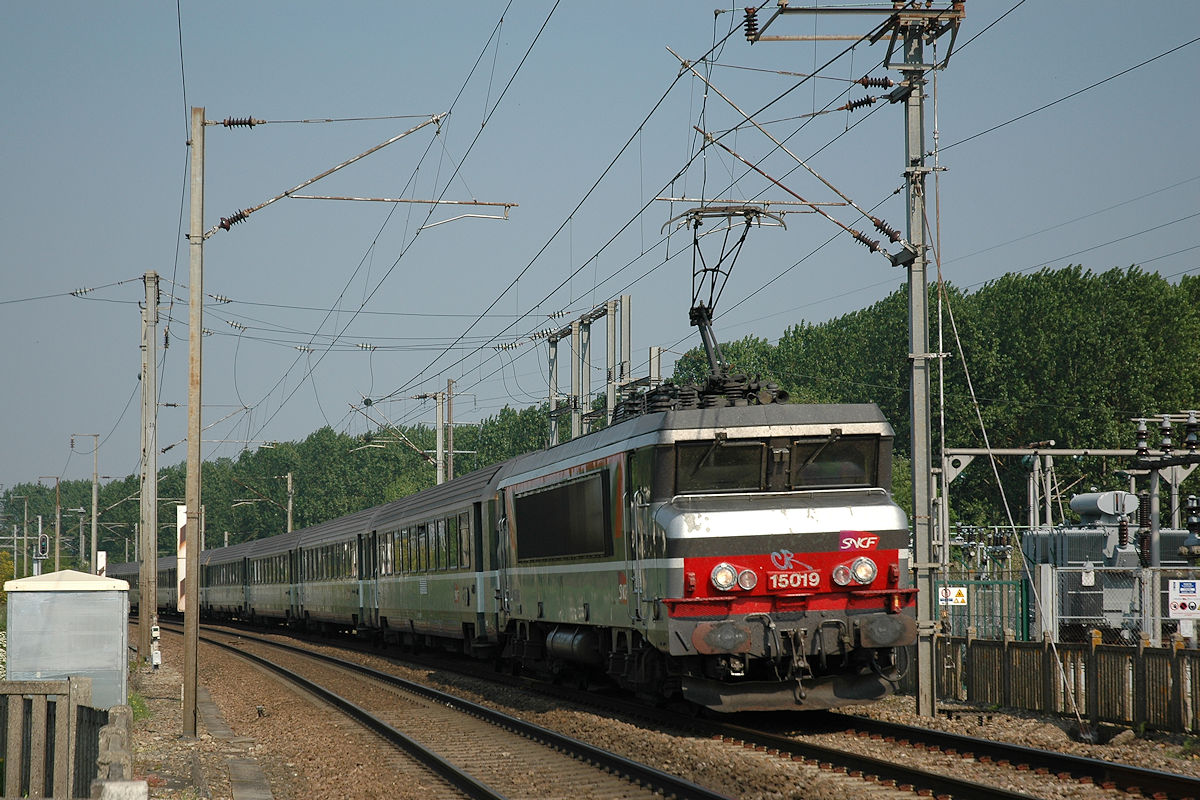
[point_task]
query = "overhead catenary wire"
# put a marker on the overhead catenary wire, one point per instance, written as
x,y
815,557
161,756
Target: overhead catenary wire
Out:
x,y
587,194
514,282
281,381
1076,93
462,88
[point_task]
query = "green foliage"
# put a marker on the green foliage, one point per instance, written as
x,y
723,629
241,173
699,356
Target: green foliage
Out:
x,y
138,706
902,483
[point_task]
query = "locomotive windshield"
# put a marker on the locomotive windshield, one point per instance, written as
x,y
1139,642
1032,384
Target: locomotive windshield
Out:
x,y
721,465
834,461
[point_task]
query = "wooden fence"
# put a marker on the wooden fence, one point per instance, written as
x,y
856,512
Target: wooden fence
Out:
x,y
45,731
1134,686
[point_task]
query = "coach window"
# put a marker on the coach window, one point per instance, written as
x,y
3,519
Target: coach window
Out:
x,y
422,548
438,543
465,537
719,466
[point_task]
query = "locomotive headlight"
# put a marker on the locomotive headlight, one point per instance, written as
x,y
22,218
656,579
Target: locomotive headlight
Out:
x,y
841,575
747,579
863,570
724,576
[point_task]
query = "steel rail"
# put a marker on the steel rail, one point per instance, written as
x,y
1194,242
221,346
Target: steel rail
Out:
x,y
671,786
1124,776
461,780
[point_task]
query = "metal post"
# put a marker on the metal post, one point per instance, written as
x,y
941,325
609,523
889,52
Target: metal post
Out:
x,y
95,498
1048,490
552,346
449,429
148,572
291,495
37,561
57,521
576,411
654,369
441,444
95,493
626,343
1033,501
1153,595
585,370
610,395
191,618
913,69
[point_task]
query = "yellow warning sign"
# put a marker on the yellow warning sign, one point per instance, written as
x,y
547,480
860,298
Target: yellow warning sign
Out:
x,y
952,595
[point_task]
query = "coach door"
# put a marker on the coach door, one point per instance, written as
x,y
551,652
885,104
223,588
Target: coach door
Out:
x,y
368,580
246,601
638,552
293,578
503,589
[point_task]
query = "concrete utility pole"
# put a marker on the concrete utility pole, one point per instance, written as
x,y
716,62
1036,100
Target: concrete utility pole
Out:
x,y
576,381
148,573
95,491
449,429
441,438
439,433
910,28
24,538
552,346
57,514
913,68
610,349
191,597
291,496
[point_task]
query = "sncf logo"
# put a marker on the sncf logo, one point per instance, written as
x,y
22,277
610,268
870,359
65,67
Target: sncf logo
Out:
x,y
859,540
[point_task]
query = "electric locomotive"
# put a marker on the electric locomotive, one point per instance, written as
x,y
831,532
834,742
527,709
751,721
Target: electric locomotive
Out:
x,y
742,557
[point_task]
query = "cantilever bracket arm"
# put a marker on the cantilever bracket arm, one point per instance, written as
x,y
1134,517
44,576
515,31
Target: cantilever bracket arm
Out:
x,y
750,212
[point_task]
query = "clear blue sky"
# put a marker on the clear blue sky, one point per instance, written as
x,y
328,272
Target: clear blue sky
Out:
x,y
94,161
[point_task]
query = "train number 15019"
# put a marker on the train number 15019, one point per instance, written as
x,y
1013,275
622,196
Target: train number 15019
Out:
x,y
794,580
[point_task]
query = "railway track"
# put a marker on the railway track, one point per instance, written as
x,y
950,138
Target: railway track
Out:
x,y
1128,778
444,733
877,775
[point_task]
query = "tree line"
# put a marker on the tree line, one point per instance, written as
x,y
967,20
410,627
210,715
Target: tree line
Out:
x,y
1069,355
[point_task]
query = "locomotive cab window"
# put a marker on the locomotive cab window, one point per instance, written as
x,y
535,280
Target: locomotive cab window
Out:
x,y
572,519
719,466
835,460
